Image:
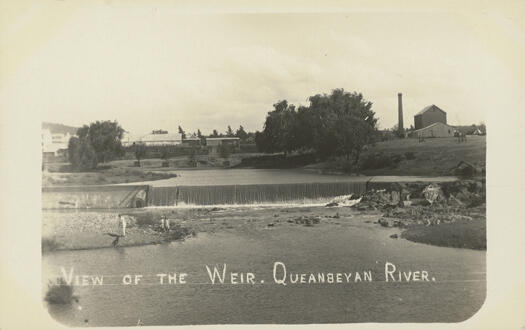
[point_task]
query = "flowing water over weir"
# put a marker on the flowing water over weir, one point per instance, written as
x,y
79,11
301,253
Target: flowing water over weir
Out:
x,y
250,194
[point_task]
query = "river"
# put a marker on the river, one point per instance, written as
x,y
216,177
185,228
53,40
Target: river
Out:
x,y
353,245
213,177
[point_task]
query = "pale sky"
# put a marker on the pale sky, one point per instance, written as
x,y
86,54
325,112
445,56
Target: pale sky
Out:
x,y
157,66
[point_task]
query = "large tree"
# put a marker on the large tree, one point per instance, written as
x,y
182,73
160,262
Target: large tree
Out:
x,y
343,123
338,124
96,143
277,134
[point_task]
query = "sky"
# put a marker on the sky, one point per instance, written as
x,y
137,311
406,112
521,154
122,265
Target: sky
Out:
x,y
158,66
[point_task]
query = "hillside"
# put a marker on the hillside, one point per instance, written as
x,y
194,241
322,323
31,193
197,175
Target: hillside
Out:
x,y
433,157
59,128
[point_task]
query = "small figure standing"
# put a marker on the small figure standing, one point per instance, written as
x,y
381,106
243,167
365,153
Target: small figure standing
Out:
x,y
167,224
162,223
122,224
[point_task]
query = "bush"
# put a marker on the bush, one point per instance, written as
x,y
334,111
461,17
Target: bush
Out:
x,y
410,155
81,154
225,150
379,161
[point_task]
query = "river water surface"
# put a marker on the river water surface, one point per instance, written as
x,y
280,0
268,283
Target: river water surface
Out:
x,y
212,177
351,246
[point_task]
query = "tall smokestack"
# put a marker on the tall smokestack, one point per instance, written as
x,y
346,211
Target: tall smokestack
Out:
x,y
400,112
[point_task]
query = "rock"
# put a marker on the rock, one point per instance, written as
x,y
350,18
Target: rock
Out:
x,y
384,222
394,236
332,204
433,193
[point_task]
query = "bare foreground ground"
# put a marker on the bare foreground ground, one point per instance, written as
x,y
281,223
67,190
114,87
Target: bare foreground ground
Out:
x,y
88,230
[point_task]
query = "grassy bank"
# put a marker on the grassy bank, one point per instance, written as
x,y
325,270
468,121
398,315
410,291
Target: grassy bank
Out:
x,y
459,234
433,157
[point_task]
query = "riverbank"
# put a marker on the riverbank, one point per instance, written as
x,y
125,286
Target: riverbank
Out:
x,y
401,157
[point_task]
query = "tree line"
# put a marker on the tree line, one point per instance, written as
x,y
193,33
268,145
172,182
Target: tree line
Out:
x,y
100,142
336,124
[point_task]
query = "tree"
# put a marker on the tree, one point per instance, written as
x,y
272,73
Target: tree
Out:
x,y
81,154
140,151
229,131
344,124
338,124
214,133
182,133
277,128
98,142
241,133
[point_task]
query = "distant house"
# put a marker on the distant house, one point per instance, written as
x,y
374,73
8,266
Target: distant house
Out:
x,y
477,131
428,116
54,144
214,144
435,130
161,138
192,140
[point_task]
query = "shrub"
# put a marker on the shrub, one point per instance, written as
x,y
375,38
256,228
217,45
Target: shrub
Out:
x,y
380,160
410,155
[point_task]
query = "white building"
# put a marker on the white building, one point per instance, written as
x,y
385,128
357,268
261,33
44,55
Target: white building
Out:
x,y
155,138
54,142
435,130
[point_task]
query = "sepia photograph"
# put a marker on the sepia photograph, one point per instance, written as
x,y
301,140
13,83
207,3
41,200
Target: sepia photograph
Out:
x,y
206,165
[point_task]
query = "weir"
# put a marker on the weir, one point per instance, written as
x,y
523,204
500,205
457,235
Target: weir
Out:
x,y
94,197
250,194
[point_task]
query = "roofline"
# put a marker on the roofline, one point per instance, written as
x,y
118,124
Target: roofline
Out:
x,y
429,106
432,125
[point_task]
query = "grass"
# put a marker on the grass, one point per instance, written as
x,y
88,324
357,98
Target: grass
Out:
x,y
432,157
459,234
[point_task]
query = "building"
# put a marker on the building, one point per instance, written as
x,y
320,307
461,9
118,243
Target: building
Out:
x,y
435,130
214,144
192,140
155,138
163,138
428,116
54,144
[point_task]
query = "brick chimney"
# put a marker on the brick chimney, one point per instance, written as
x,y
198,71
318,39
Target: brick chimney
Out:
x,y
400,112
